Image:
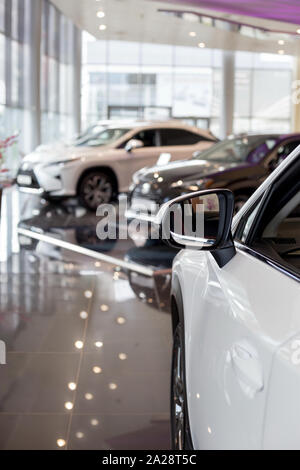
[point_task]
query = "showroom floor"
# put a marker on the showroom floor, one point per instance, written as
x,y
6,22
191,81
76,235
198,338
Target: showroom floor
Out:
x,y
88,347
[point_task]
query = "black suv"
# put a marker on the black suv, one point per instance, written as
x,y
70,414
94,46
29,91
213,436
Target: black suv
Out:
x,y
239,163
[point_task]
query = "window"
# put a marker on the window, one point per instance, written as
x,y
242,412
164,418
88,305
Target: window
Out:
x,y
245,149
285,149
104,137
148,137
174,137
273,226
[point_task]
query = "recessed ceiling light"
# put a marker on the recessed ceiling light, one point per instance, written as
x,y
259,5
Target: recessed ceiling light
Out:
x,y
100,14
72,386
97,370
102,27
201,45
281,52
79,345
69,406
281,42
298,31
89,396
192,34
61,442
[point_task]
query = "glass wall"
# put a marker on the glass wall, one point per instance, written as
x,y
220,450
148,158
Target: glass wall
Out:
x,y
137,80
131,80
20,113
57,63
15,28
263,84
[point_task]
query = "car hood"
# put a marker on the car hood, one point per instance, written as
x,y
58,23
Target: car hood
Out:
x,y
63,152
184,170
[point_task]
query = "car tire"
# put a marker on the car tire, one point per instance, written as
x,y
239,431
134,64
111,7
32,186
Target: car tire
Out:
x,y
180,428
95,188
240,201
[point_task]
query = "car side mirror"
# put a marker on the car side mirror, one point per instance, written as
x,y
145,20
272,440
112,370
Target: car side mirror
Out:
x,y
200,221
133,144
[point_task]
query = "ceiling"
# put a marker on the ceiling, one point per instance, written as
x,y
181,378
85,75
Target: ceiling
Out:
x,y
279,10
143,20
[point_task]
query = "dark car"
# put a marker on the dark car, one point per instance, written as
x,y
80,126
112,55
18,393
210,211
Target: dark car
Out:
x,y
240,164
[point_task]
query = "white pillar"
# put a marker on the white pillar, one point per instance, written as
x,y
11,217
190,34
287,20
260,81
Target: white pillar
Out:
x,y
35,67
77,44
227,108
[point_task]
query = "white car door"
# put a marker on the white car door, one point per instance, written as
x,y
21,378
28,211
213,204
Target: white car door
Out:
x,y
240,317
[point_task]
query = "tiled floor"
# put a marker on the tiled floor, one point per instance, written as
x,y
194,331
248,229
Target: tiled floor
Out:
x,y
88,354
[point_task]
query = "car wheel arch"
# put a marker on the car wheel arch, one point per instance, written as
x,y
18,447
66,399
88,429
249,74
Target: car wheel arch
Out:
x,y
176,304
105,169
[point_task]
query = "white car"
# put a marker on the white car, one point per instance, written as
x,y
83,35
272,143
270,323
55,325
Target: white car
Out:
x,y
236,320
102,163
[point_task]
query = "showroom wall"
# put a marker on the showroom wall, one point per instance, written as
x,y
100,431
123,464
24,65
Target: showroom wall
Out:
x,y
37,63
122,79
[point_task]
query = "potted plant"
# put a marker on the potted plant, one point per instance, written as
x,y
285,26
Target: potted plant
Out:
x,y
4,146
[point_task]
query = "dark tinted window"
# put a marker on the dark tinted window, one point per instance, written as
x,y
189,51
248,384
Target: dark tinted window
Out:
x,y
171,137
285,149
240,149
148,137
276,231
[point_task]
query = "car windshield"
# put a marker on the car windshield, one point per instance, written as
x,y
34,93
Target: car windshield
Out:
x,y
240,149
102,137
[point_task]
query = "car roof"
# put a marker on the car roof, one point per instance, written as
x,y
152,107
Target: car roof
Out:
x,y
157,124
265,135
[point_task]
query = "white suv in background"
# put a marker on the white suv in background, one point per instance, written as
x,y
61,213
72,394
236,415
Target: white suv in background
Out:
x,y
101,164
236,319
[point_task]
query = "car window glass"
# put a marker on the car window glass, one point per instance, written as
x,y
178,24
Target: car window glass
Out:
x,y
260,152
284,151
148,137
251,149
276,231
174,137
104,137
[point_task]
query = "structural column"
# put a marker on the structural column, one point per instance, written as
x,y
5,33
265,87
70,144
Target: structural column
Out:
x,y
76,92
227,107
34,91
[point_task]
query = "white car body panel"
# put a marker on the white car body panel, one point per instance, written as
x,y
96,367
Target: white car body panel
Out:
x,y
242,347
122,163
223,308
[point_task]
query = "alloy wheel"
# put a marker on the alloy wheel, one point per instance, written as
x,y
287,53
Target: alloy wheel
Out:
x,y
97,190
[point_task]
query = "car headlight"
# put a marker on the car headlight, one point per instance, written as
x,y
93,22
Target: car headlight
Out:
x,y
146,188
63,163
